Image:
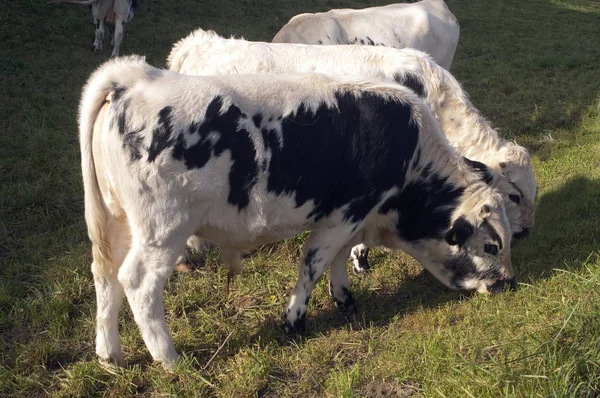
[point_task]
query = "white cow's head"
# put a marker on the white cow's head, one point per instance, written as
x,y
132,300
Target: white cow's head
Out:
x,y
518,187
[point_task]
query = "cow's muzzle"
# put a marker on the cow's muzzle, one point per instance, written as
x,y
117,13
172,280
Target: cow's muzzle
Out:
x,y
501,284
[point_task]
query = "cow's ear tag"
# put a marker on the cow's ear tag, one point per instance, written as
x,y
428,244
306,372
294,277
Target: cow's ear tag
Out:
x,y
454,238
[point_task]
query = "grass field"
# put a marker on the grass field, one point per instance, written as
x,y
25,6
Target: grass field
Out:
x,y
532,67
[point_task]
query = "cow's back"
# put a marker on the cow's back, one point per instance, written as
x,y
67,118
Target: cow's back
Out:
x,y
255,154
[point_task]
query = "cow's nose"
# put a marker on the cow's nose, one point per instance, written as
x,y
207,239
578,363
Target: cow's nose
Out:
x,y
500,284
519,235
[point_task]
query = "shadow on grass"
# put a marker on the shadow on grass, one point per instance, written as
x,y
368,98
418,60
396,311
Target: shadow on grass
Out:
x,y
567,232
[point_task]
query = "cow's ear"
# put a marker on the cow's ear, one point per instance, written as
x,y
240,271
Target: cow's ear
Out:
x,y
460,232
481,169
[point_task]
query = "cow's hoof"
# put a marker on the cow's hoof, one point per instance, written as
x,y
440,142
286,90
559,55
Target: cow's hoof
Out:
x,y
348,306
112,363
296,328
171,365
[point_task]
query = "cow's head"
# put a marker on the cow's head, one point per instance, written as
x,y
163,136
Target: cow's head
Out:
x,y
473,253
518,187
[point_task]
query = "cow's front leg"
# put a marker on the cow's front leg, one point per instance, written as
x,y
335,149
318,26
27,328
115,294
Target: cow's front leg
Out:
x,y
319,251
339,284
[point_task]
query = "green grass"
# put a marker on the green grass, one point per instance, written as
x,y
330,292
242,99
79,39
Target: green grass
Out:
x,y
529,66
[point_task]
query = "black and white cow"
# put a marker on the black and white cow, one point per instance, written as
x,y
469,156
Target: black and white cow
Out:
x,y
114,12
426,25
206,53
244,160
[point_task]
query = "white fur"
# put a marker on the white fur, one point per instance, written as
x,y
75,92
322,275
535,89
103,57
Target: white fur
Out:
x,y
206,53
426,25
140,213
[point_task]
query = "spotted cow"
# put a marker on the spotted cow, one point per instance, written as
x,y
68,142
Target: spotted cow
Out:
x,y
206,53
426,25
113,12
244,160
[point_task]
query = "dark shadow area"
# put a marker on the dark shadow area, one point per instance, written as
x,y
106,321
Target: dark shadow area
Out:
x,y
566,232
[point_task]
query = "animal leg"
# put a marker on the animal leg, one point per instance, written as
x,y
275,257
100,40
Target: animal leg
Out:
x,y
319,250
109,296
118,38
99,39
143,276
360,259
339,284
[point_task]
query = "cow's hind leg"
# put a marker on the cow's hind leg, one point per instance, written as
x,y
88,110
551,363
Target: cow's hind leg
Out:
x,y
99,37
319,251
118,36
109,295
143,276
360,259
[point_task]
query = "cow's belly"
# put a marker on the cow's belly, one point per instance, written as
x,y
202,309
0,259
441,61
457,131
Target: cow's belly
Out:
x,y
268,218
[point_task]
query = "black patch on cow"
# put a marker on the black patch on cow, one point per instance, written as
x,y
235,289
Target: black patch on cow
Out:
x,y
492,232
296,328
370,42
481,169
244,169
347,304
132,142
310,260
411,81
425,206
490,249
460,232
320,41
162,136
117,91
257,119
362,41
349,155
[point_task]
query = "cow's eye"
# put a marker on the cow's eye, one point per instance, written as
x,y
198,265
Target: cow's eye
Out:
x,y
515,198
490,249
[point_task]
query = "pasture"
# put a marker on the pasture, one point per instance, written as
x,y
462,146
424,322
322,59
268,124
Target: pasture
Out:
x,y
530,67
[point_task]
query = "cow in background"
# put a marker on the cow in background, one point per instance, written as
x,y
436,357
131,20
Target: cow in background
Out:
x,y
112,12
426,25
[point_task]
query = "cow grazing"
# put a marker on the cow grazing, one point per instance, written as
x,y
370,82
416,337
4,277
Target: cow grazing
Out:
x,y
206,53
113,12
427,25
243,160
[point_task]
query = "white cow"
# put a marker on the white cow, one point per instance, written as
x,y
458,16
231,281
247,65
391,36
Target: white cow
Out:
x,y
113,12
427,25
206,53
243,160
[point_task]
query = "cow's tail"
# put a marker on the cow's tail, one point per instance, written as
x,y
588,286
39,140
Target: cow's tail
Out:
x,y
119,72
76,2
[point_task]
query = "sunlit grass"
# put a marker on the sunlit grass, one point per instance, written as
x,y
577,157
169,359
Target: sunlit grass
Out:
x,y
530,67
